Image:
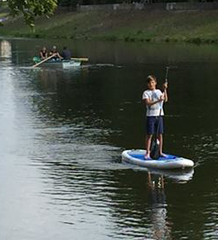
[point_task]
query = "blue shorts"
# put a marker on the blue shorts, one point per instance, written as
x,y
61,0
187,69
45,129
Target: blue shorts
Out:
x,y
154,125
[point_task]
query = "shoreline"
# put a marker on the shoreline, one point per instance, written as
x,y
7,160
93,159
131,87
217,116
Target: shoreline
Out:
x,y
197,27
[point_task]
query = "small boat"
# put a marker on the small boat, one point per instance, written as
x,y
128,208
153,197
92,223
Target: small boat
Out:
x,y
137,157
74,62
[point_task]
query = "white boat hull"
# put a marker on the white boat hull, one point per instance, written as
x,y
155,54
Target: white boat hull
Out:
x,y
170,162
71,64
62,64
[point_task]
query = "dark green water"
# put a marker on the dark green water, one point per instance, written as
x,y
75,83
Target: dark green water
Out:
x,y
62,133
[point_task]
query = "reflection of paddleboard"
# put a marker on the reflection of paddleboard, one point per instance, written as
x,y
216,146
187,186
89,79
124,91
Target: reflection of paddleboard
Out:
x,y
168,162
178,175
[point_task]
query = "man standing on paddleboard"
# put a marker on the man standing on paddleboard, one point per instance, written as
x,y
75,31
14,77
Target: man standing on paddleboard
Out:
x,y
154,100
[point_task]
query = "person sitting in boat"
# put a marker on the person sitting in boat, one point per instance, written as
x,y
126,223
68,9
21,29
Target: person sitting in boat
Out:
x,y
55,53
154,100
43,54
66,54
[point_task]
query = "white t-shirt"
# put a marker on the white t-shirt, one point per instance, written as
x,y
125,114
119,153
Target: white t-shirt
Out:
x,y
157,108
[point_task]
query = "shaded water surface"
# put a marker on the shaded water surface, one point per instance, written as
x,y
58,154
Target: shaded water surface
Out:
x,y
62,133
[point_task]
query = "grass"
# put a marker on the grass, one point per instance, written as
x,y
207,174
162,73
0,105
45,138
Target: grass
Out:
x,y
196,27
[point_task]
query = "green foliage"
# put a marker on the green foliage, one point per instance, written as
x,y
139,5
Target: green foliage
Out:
x,y
31,8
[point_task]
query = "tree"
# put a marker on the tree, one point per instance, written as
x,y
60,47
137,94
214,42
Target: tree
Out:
x,y
32,8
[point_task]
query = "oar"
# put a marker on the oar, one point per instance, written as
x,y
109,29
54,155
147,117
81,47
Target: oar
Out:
x,y
37,64
80,59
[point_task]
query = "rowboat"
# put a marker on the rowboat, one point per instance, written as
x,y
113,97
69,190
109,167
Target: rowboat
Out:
x,y
74,62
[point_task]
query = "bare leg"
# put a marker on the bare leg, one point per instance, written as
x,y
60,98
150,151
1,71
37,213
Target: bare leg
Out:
x,y
160,138
148,145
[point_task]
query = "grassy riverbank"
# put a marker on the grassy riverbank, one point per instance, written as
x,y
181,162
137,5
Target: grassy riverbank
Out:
x,y
196,27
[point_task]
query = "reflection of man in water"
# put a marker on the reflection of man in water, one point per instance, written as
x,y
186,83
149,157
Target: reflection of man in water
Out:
x,y
160,225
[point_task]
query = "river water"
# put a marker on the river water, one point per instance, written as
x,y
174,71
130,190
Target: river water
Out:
x,y
62,132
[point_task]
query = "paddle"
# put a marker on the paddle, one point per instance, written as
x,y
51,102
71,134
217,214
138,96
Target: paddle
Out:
x,y
166,76
155,143
80,59
167,71
37,64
